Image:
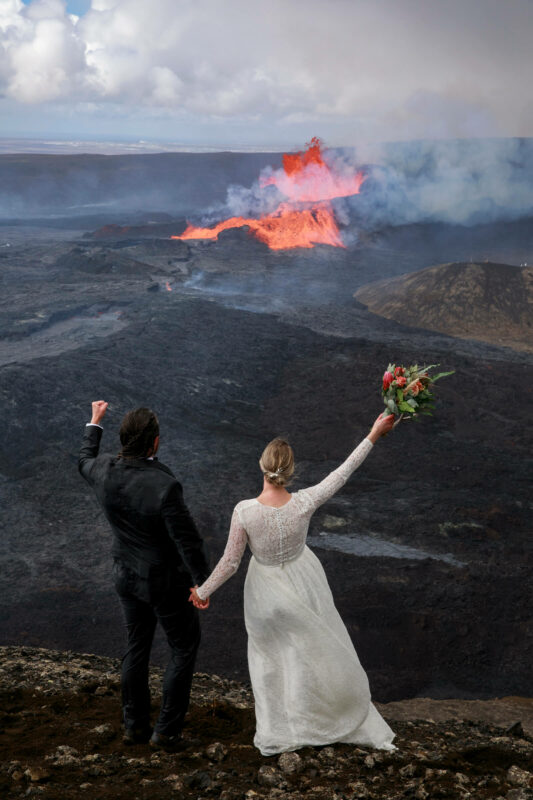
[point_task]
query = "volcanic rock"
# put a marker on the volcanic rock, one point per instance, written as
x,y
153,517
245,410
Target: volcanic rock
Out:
x,y
515,730
268,776
458,758
216,751
37,774
519,794
489,302
95,260
519,777
290,763
200,779
104,732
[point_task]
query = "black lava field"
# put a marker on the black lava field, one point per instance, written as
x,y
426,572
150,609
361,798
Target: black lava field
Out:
x,y
428,547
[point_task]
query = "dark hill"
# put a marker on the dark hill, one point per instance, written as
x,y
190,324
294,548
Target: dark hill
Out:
x,y
91,184
489,302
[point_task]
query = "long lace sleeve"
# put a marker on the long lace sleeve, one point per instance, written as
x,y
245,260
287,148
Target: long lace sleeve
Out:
x,y
322,491
230,560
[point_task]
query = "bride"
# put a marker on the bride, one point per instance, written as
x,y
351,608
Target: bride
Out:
x,y
309,686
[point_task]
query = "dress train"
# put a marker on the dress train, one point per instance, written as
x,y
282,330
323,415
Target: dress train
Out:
x,y
309,685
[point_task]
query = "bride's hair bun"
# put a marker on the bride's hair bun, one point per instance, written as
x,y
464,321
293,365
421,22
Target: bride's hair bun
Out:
x,y
277,462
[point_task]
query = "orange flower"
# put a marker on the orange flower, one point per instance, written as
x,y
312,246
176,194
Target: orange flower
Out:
x,y
417,387
401,381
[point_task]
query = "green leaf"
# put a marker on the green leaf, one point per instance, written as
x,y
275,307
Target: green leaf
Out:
x,y
404,407
442,375
391,405
410,401
399,395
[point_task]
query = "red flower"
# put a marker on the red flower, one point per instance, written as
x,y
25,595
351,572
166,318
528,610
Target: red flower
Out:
x,y
398,371
388,378
401,381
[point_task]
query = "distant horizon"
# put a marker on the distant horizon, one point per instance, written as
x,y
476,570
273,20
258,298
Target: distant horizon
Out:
x,y
120,146
123,145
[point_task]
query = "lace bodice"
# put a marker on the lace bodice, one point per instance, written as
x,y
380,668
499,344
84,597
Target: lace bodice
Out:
x,y
277,535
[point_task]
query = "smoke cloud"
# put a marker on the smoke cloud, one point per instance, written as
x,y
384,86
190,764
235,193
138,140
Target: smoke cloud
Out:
x,y
458,182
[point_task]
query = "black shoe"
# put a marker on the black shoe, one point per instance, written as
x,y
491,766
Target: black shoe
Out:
x,y
171,744
136,735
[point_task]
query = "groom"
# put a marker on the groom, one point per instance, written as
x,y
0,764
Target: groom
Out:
x,y
158,554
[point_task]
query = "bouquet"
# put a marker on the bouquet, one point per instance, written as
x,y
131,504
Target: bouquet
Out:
x,y
407,390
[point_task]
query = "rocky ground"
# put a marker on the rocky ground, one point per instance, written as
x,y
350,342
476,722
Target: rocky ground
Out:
x,y
60,737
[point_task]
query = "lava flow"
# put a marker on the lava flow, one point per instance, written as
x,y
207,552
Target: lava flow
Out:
x,y
306,218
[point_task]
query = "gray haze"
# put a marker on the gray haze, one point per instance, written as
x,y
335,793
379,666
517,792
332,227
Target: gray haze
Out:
x,y
459,182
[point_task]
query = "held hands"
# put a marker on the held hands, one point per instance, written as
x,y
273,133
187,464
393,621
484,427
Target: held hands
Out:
x,y
197,601
99,408
382,426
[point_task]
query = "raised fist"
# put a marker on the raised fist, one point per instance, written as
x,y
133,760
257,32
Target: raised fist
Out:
x,y
99,408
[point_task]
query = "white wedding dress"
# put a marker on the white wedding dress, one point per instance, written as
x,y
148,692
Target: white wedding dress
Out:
x,y
308,684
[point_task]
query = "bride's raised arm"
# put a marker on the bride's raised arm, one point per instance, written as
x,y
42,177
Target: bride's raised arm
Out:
x,y
331,484
230,560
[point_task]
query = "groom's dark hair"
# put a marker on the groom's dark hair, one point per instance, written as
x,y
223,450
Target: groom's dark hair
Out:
x,y
138,431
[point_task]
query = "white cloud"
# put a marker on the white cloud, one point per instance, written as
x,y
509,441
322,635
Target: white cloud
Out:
x,y
408,67
41,56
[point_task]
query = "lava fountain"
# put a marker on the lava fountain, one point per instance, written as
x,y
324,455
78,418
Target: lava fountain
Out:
x,y
306,216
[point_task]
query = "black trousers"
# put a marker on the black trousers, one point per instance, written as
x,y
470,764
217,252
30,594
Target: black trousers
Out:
x,y
145,602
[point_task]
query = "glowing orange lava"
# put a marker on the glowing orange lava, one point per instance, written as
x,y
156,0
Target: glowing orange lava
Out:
x,y
306,177
307,218
287,227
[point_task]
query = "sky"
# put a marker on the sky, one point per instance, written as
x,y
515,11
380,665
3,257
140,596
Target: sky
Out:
x,y
233,73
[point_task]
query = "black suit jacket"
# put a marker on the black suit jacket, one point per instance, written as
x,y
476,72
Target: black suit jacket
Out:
x,y
153,532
